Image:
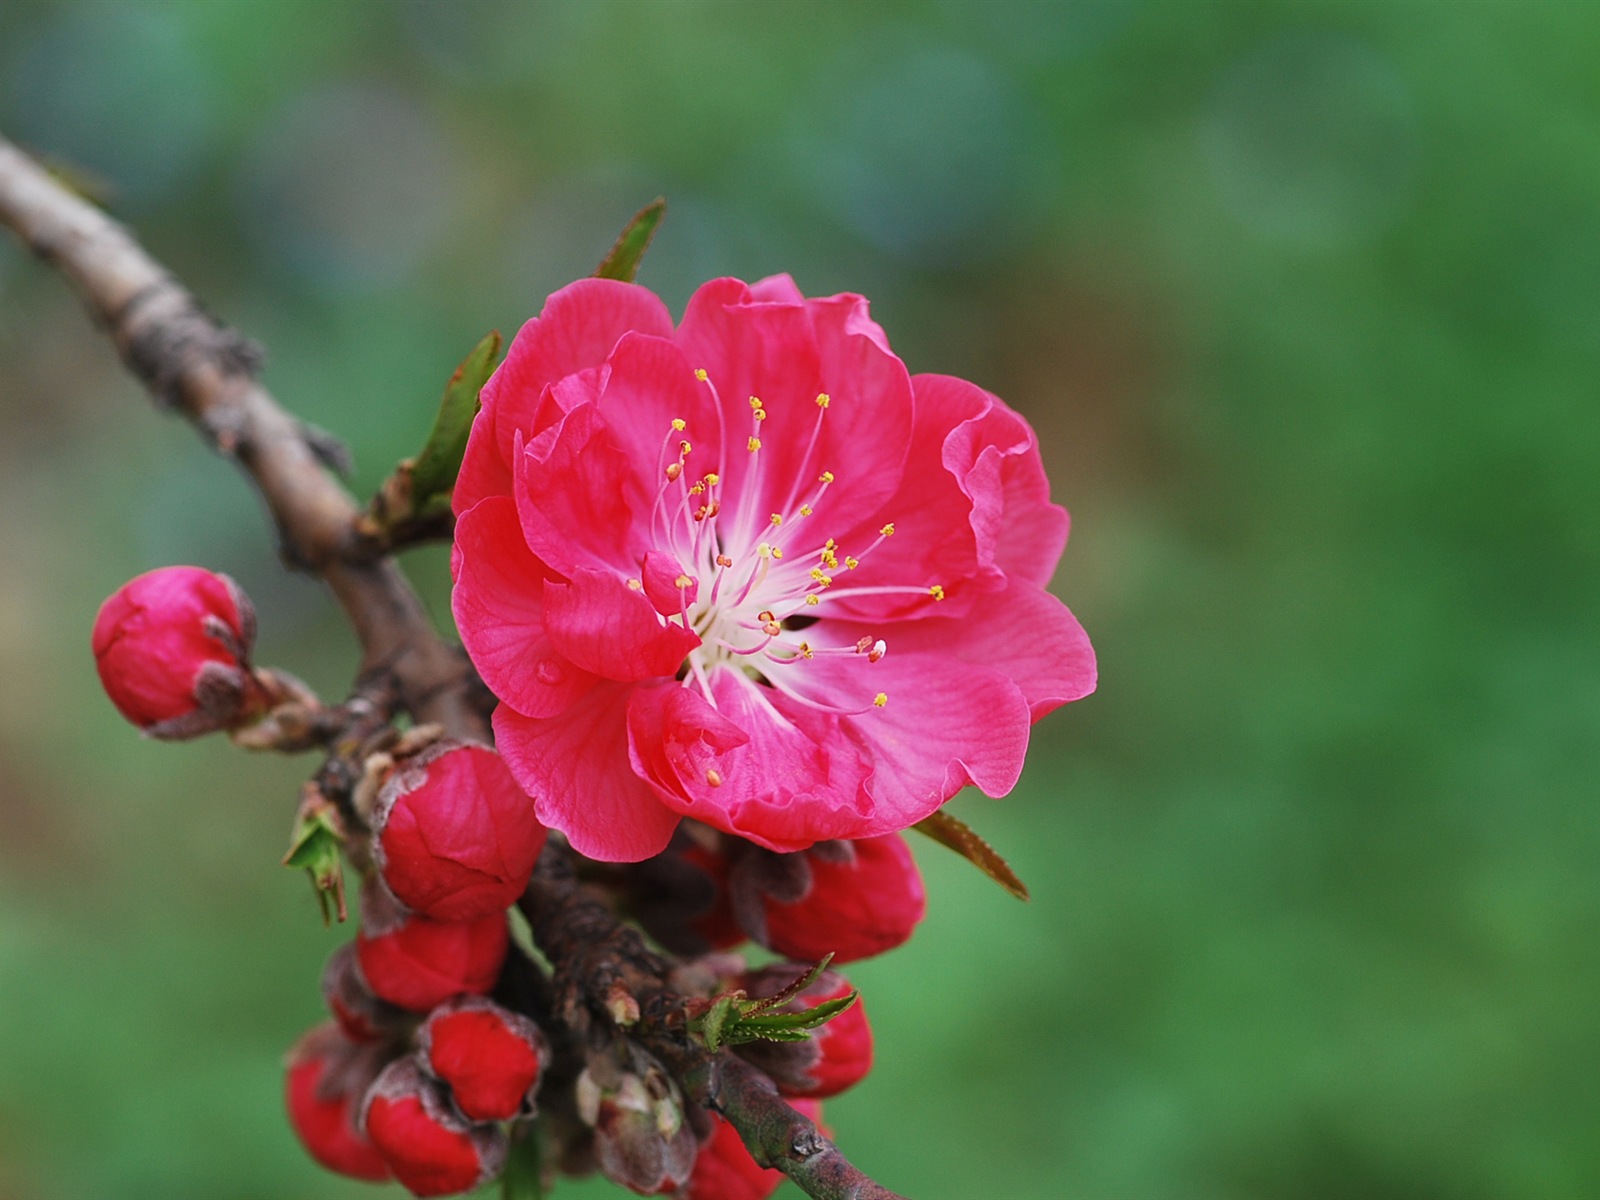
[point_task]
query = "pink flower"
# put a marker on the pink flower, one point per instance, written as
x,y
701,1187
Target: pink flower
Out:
x,y
750,571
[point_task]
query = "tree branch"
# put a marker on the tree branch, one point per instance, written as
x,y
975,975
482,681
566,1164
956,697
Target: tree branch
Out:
x,y
206,371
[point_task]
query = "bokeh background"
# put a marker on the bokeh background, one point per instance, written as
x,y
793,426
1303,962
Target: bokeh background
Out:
x,y
1304,301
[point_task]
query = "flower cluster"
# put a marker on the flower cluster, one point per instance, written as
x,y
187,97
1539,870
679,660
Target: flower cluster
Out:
x,y
752,600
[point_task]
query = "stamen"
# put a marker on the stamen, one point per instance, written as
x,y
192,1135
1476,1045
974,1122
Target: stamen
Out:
x,y
936,591
679,424
880,699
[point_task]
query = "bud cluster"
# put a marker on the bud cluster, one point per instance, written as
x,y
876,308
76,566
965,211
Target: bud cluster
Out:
x,y
430,1071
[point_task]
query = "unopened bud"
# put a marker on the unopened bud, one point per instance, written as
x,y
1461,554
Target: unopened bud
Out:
x,y
417,963
863,898
430,1149
641,1140
489,1058
173,647
326,1078
454,836
361,1015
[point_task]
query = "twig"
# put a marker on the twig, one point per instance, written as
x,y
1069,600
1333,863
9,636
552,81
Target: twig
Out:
x,y
207,372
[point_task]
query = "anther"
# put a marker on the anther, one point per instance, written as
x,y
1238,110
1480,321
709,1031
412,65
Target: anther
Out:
x,y
805,650
635,585
825,477
879,649
714,777
753,445
812,600
823,399
674,470
851,563
888,530
805,510
724,561
936,591
684,448
712,479
880,699
700,374
679,424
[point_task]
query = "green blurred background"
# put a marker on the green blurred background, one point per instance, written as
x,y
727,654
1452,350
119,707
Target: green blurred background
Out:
x,y
1304,301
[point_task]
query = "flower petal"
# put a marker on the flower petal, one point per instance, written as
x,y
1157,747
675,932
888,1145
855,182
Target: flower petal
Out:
x,y
576,768
498,604
782,779
1024,632
576,494
595,619
946,723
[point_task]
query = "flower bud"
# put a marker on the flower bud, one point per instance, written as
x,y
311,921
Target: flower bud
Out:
x,y
418,964
490,1058
836,1056
326,1078
725,1170
361,1015
861,899
641,1140
454,835
430,1149
172,647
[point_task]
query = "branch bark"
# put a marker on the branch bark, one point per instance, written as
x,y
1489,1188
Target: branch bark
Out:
x,y
206,371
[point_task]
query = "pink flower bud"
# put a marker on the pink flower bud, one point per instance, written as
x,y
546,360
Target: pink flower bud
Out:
x,y
490,1058
455,837
172,647
326,1078
838,1054
430,1149
862,898
418,964
725,1170
361,1015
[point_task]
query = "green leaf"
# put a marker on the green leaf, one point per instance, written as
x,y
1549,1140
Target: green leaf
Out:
x,y
711,1026
623,260
964,840
789,993
523,1179
315,845
434,472
786,1027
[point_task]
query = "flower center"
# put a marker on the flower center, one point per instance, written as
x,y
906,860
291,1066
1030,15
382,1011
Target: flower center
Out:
x,y
751,582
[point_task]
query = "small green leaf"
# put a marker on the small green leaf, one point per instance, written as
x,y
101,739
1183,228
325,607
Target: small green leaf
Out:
x,y
523,1179
964,840
434,472
315,845
623,260
782,1027
789,993
711,1026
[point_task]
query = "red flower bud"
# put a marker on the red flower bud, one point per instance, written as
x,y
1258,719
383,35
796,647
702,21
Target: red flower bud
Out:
x,y
430,1149
838,1053
455,837
361,1015
725,1170
172,647
326,1078
863,898
418,964
490,1058
716,924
